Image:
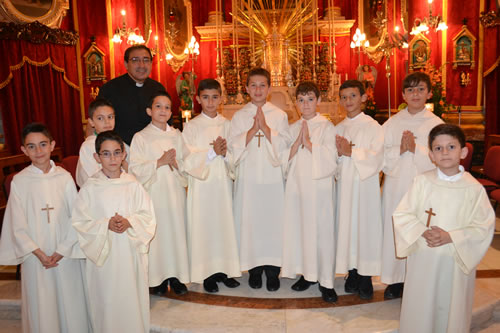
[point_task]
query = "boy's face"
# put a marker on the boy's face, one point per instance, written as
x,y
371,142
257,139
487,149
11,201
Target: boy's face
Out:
x,y
258,88
103,119
416,97
446,153
307,104
38,147
351,100
160,111
110,157
209,100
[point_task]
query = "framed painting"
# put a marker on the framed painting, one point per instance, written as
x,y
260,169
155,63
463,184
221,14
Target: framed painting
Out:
x,y
464,48
178,30
47,12
95,65
420,51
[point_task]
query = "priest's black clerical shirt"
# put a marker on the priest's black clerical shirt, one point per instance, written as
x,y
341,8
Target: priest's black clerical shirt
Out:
x,y
130,100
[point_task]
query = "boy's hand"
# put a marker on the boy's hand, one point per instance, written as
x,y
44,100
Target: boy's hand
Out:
x,y
113,223
296,144
407,142
55,257
122,224
163,160
220,146
46,261
171,161
343,146
306,140
261,119
436,236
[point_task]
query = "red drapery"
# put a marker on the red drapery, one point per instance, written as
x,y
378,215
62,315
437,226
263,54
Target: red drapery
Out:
x,y
39,82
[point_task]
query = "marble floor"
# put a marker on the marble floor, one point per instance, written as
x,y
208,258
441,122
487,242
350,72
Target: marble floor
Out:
x,y
247,310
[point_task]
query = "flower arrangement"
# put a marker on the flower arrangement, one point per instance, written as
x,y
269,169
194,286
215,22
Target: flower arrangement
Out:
x,y
438,91
371,107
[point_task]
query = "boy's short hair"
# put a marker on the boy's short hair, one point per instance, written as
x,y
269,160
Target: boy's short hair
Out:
x,y
108,135
447,129
208,84
157,94
413,79
353,84
97,103
35,128
136,47
305,87
259,71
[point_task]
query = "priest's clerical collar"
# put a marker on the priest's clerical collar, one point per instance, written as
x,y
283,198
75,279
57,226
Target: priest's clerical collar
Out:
x,y
454,178
40,171
137,84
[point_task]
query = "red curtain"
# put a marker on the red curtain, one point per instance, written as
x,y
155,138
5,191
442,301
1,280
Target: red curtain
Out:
x,y
38,82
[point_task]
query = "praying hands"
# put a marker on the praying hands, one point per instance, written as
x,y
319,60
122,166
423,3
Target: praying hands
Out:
x,y
118,224
407,142
168,158
220,146
303,140
344,147
259,124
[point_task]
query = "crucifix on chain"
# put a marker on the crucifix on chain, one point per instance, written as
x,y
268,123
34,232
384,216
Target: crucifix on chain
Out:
x,y
48,209
430,213
259,135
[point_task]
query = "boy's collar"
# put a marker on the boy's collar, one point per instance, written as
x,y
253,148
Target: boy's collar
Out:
x,y
356,116
207,116
37,170
441,175
168,129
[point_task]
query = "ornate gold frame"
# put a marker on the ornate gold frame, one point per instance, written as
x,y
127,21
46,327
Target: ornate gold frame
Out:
x,y
427,42
179,59
101,74
464,33
52,18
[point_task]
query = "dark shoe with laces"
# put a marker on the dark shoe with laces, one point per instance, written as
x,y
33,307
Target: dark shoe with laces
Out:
x,y
328,295
302,284
365,287
178,287
210,285
352,282
255,281
272,283
230,283
394,291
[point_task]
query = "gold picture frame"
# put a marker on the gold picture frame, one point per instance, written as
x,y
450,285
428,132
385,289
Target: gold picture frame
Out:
x,y
95,64
420,51
47,12
178,30
464,48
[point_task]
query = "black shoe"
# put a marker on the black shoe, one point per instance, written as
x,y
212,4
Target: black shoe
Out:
x,y
159,290
394,291
365,287
302,284
272,283
328,295
255,281
210,285
352,282
231,283
178,287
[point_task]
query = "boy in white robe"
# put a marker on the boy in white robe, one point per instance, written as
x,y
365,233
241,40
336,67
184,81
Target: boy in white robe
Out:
x,y
37,234
101,118
405,156
360,146
212,245
308,233
114,218
444,225
156,157
258,137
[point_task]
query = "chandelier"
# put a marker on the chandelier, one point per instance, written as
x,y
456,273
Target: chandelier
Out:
x,y
132,36
424,25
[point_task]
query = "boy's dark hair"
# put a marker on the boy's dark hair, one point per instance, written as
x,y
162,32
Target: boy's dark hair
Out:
x,y
108,135
259,71
208,84
35,128
413,79
157,94
136,47
97,103
303,88
353,84
447,129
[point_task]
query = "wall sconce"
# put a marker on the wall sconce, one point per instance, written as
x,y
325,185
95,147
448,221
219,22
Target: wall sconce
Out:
x,y
133,36
423,25
359,41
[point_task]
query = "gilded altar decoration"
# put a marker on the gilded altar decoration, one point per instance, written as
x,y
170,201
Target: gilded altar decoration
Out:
x,y
37,33
420,52
47,12
95,68
464,48
490,19
178,31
